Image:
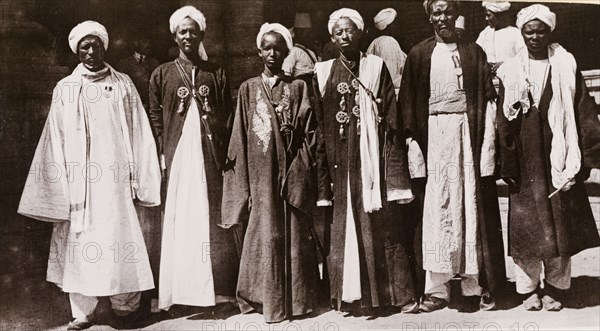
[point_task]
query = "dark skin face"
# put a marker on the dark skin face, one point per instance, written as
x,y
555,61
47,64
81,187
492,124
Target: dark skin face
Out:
x,y
188,37
273,50
496,20
91,52
345,36
491,19
536,35
443,15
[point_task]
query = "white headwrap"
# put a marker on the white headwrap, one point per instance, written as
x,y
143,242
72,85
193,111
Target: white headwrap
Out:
x,y
345,12
496,7
384,18
275,27
193,13
536,12
85,29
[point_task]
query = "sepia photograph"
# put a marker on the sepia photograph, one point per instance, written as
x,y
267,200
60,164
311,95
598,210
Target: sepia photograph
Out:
x,y
316,165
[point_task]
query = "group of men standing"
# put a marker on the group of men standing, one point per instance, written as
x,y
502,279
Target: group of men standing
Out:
x,y
364,135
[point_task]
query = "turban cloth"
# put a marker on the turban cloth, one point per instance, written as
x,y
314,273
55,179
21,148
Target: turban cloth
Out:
x,y
193,13
536,12
345,12
278,28
428,3
85,29
496,7
384,18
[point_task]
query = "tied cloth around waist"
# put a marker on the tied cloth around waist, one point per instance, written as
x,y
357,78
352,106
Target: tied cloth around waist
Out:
x,y
454,102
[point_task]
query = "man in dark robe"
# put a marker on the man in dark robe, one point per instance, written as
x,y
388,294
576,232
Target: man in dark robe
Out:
x,y
549,138
447,103
361,167
269,188
190,114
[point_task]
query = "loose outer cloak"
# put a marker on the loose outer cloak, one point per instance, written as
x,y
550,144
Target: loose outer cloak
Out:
x,y
414,102
338,160
110,257
563,225
167,126
266,185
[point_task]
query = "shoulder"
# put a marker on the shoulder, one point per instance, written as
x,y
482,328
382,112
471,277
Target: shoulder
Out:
x,y
245,86
163,68
424,46
473,48
319,66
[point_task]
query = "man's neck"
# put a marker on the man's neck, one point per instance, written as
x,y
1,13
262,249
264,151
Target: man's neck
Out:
x,y
194,59
270,72
448,40
350,56
500,26
542,55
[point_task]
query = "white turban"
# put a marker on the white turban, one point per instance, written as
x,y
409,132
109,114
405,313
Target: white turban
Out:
x,y
496,7
85,29
193,13
345,12
384,18
275,27
536,12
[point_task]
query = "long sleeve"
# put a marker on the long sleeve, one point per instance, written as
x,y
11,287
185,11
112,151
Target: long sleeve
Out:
x,y
407,97
325,192
46,193
236,185
397,177
300,182
146,169
509,160
226,115
589,125
488,148
407,103
156,108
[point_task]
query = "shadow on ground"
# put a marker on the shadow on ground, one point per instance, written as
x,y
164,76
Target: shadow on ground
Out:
x,y
44,306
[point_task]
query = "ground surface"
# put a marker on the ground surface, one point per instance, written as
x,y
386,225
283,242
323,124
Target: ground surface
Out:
x,y
42,306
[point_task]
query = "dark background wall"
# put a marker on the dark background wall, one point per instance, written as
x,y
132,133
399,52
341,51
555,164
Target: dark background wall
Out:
x,y
35,55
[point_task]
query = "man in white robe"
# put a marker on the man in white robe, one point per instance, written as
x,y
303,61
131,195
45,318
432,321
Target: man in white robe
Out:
x,y
499,40
386,46
95,158
448,118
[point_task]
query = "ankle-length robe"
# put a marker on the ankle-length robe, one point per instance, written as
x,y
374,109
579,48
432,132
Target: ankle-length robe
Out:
x,y
269,189
362,263
95,157
414,97
198,258
539,227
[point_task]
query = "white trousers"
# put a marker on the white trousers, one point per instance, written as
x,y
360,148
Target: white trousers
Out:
x,y
83,306
556,271
438,285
